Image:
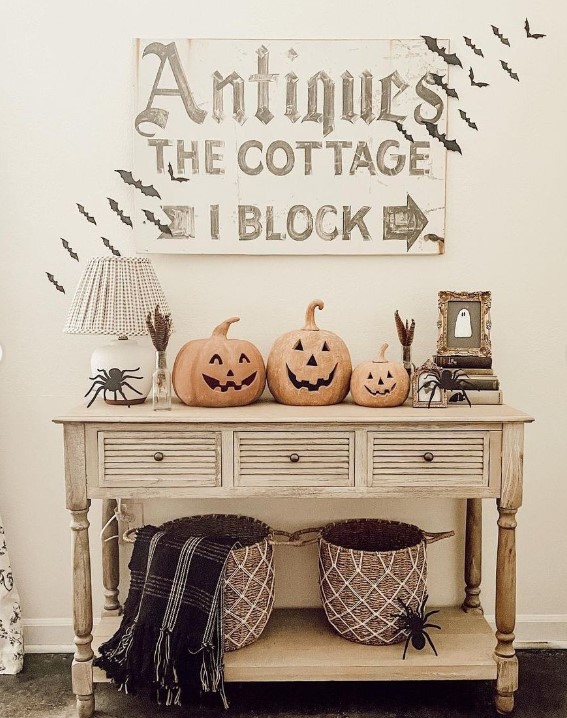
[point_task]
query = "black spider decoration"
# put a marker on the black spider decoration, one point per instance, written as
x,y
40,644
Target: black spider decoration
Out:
x,y
446,380
112,380
416,622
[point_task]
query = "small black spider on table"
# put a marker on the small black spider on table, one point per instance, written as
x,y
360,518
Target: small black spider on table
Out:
x,y
112,380
446,380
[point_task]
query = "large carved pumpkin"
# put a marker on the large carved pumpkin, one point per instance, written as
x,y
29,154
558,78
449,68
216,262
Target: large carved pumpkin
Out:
x,y
380,383
309,366
219,371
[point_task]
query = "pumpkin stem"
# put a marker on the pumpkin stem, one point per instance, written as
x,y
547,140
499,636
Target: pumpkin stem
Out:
x,y
222,328
310,315
382,354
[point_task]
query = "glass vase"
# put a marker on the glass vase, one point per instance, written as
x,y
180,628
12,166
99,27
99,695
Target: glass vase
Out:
x,y
161,384
408,365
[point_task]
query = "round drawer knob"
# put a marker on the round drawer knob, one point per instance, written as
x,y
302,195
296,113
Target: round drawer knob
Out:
x,y
294,458
158,456
428,456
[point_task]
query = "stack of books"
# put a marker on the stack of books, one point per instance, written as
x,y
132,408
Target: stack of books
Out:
x,y
482,385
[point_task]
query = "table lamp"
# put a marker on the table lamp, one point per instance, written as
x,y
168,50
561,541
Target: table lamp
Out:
x,y
114,297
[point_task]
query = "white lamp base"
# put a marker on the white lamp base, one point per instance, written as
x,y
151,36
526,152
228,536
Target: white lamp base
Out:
x,y
121,372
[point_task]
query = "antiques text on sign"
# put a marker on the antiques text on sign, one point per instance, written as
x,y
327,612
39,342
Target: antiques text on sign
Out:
x,y
290,146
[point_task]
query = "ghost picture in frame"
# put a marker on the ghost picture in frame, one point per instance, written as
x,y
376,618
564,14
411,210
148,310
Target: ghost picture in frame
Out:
x,y
464,324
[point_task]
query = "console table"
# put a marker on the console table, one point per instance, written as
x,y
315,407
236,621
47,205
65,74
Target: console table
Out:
x,y
268,449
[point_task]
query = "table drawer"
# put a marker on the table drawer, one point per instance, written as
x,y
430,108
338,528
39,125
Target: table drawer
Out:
x,y
294,458
170,458
430,458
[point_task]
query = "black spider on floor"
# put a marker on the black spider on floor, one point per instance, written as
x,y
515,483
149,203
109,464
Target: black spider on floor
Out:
x,y
446,380
112,380
416,622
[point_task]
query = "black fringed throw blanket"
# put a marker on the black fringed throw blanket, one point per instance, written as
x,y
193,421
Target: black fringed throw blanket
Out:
x,y
171,634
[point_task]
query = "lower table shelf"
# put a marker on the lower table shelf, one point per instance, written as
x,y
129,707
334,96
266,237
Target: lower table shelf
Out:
x,y
299,645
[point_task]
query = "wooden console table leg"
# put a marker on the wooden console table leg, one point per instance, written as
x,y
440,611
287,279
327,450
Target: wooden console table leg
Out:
x,y
507,680
81,671
110,560
78,504
508,504
473,557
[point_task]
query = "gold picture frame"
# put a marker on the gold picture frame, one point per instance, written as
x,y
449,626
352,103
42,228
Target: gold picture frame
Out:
x,y
423,398
464,324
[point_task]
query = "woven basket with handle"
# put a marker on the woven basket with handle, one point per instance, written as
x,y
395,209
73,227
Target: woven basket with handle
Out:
x,y
249,576
368,570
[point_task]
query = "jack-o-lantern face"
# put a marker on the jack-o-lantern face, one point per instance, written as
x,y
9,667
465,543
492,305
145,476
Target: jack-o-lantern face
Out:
x,y
219,371
316,374
381,386
221,375
380,383
309,367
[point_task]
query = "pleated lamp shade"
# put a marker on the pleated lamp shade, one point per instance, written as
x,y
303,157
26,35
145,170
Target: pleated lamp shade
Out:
x,y
114,297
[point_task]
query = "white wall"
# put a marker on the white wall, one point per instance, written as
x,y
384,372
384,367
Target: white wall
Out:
x,y
65,87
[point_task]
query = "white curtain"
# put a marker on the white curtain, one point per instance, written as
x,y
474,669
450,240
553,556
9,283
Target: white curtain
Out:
x,y
11,637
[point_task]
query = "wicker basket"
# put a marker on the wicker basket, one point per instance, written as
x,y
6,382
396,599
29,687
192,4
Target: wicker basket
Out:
x,y
368,569
249,575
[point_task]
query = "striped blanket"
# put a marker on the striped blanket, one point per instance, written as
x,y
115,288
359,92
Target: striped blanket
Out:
x,y
171,637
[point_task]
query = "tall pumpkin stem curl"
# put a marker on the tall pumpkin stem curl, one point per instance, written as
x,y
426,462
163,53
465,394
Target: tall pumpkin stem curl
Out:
x,y
310,315
382,354
223,328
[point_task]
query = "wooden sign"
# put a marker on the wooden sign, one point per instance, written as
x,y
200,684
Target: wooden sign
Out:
x,y
289,147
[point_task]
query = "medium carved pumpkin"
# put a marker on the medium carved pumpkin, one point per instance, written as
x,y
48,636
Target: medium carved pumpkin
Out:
x,y
380,383
219,371
309,366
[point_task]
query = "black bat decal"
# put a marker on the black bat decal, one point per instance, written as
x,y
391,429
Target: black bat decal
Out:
x,y
107,244
500,36
85,214
535,35
172,177
72,254
449,57
448,144
473,47
438,80
115,208
154,220
468,120
474,83
147,190
506,66
55,283
406,134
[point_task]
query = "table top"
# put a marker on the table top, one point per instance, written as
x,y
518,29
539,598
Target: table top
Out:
x,y
268,411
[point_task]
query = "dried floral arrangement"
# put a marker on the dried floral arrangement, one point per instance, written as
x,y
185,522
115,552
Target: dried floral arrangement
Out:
x,y
160,327
405,330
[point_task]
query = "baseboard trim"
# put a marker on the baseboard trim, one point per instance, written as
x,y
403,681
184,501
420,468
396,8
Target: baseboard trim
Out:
x,y
49,635
533,631
49,648
536,631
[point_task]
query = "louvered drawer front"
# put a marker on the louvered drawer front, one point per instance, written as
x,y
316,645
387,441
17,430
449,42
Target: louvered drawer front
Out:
x,y
429,458
169,458
290,458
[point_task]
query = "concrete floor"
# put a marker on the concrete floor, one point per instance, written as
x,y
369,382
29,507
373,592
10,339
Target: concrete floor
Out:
x,y
43,689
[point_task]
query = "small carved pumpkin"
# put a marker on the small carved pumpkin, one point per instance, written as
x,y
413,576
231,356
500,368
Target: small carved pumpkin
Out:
x,y
309,366
218,371
380,383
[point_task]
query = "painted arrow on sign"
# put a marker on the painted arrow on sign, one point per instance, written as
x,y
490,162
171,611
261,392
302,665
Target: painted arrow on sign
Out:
x,y
406,222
